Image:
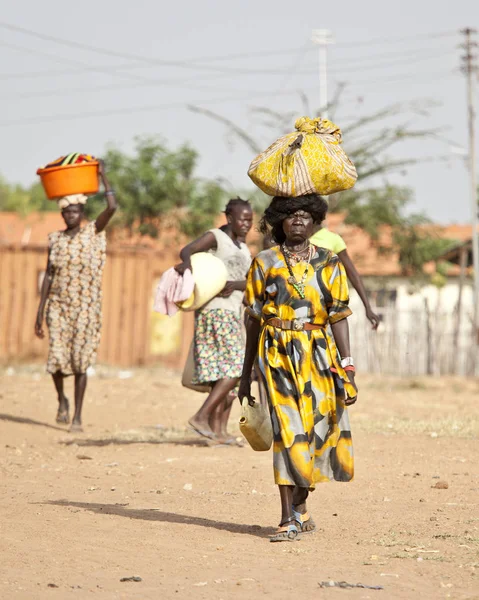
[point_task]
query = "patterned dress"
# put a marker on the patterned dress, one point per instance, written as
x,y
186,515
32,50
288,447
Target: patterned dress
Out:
x,y
219,342
74,302
312,438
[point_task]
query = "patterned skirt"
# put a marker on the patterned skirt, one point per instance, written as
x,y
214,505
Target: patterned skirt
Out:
x,y
312,436
218,345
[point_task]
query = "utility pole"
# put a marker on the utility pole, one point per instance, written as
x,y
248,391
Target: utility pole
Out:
x,y
323,37
470,69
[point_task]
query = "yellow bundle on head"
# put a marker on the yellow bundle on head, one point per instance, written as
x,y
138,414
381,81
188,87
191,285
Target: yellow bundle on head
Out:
x,y
308,161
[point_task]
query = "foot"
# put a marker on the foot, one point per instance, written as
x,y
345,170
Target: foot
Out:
x,y
304,519
231,440
76,427
287,531
202,428
63,414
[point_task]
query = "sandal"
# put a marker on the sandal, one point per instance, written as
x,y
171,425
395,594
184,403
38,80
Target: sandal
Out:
x,y
288,531
203,432
305,521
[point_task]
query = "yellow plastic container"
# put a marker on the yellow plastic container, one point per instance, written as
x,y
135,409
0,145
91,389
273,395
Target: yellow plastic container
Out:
x,y
255,425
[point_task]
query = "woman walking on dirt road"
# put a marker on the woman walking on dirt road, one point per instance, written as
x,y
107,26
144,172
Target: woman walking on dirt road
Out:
x,y
72,289
218,341
293,291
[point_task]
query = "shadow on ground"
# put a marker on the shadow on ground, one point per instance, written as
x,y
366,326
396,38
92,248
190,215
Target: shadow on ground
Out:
x,y
120,441
153,514
26,421
148,435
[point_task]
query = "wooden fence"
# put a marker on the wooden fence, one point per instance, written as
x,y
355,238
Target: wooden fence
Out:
x,y
407,342
415,342
132,334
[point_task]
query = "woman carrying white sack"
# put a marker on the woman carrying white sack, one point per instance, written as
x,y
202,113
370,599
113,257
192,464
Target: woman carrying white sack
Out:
x,y
219,340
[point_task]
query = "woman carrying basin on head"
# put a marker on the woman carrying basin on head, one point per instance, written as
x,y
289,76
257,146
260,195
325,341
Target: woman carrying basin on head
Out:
x,y
71,290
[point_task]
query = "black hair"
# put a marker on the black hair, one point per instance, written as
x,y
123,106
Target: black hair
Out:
x,y
282,207
234,202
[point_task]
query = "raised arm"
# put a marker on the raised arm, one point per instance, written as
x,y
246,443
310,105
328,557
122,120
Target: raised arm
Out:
x,y
46,285
358,285
202,244
104,217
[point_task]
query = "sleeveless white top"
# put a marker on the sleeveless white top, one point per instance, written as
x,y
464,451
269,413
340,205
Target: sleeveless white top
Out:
x,y
237,261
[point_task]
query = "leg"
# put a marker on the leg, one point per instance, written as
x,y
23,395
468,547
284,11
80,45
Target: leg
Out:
x,y
201,420
286,495
300,495
288,529
80,387
225,415
300,512
63,406
215,419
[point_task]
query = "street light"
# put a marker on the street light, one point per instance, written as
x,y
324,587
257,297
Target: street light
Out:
x,y
323,37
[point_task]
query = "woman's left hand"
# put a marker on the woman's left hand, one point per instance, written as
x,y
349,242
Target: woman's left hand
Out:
x,y
227,290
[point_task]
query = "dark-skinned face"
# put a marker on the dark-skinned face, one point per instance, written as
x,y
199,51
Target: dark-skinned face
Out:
x,y
241,221
298,227
72,215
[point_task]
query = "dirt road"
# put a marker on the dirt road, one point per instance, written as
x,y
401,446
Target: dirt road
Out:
x,y
138,495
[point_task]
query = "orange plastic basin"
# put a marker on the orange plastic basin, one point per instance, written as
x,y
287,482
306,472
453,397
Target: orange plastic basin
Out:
x,y
70,179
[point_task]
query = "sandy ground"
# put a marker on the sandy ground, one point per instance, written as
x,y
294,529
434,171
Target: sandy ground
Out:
x,y
139,495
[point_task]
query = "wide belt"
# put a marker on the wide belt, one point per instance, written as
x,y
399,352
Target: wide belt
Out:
x,y
293,325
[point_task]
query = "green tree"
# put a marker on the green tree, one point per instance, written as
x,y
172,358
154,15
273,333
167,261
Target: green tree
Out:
x,y
153,184
20,199
156,182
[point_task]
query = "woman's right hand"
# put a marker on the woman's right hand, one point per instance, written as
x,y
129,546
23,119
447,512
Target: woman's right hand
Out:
x,y
349,401
182,267
39,327
244,391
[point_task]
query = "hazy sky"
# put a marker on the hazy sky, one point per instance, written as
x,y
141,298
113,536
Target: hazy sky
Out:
x,y
147,60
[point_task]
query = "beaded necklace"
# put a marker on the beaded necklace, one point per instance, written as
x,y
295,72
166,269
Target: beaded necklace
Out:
x,y
289,257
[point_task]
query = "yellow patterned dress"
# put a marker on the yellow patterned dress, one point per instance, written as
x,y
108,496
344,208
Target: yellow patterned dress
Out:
x,y
312,437
74,301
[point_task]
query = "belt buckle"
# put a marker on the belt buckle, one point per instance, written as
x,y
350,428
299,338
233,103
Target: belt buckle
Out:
x,y
298,324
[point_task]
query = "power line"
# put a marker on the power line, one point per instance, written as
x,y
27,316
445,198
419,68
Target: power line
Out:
x,y
182,83
186,64
112,69
194,62
411,58
396,40
151,108
400,77
144,62
134,109
60,59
